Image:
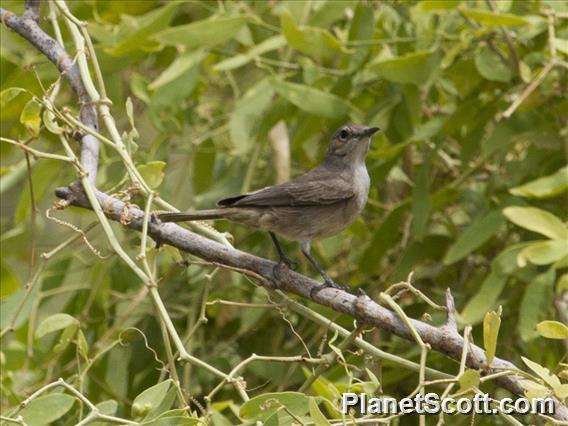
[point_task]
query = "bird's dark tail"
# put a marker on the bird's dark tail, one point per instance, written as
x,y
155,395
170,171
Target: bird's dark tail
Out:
x,y
197,215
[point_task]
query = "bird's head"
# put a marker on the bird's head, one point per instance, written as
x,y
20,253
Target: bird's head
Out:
x,y
350,143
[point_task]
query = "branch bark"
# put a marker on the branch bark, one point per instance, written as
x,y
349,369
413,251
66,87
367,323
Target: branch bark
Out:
x,y
27,26
445,339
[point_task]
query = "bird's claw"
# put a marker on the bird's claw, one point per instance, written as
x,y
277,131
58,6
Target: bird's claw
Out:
x,y
288,262
328,284
279,267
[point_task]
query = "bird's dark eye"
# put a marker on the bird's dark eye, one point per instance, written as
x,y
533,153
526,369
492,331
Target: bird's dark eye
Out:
x,y
343,135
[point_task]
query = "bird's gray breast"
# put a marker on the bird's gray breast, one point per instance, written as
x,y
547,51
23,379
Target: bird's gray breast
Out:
x,y
361,183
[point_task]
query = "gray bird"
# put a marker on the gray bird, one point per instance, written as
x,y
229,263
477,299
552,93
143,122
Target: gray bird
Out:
x,y
317,204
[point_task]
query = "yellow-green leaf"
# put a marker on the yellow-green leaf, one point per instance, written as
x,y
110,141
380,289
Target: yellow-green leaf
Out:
x,y
265,405
179,66
544,187
491,66
469,379
9,282
8,94
534,389
414,68
152,172
205,33
491,19
543,252
315,413
475,235
552,330
535,302
315,42
236,61
537,220
311,100
491,325
561,391
54,323
429,5
243,125
50,123
30,117
542,372
149,399
46,409
135,32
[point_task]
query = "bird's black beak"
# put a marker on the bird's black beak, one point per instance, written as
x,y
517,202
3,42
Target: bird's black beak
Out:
x,y
370,131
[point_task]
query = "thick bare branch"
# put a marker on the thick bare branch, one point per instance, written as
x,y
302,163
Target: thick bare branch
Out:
x,y
442,339
27,26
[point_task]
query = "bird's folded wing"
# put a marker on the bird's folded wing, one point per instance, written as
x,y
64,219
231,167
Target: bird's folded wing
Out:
x,y
295,193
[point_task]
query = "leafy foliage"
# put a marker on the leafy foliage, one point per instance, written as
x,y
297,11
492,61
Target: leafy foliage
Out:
x,y
468,192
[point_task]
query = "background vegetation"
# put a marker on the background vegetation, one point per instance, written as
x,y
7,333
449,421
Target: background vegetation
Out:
x,y
468,191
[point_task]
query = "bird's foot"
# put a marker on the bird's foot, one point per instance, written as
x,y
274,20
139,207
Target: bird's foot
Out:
x,y
291,264
281,268
328,284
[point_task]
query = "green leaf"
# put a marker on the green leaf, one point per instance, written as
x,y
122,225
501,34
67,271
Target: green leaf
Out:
x,y
485,298
313,101
145,403
264,406
321,386
561,45
244,122
152,172
491,19
537,220
43,176
490,65
413,68
543,252
429,5
535,303
108,407
542,372
237,61
315,413
50,123
173,421
386,236
31,117
476,233
552,330
54,323
9,94
534,389
315,42
329,11
469,379
205,33
9,282
46,409
361,28
82,345
134,32
561,391
544,187
178,67
421,203
491,325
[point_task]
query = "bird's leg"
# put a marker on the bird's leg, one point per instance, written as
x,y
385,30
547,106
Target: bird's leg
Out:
x,y
283,256
328,282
